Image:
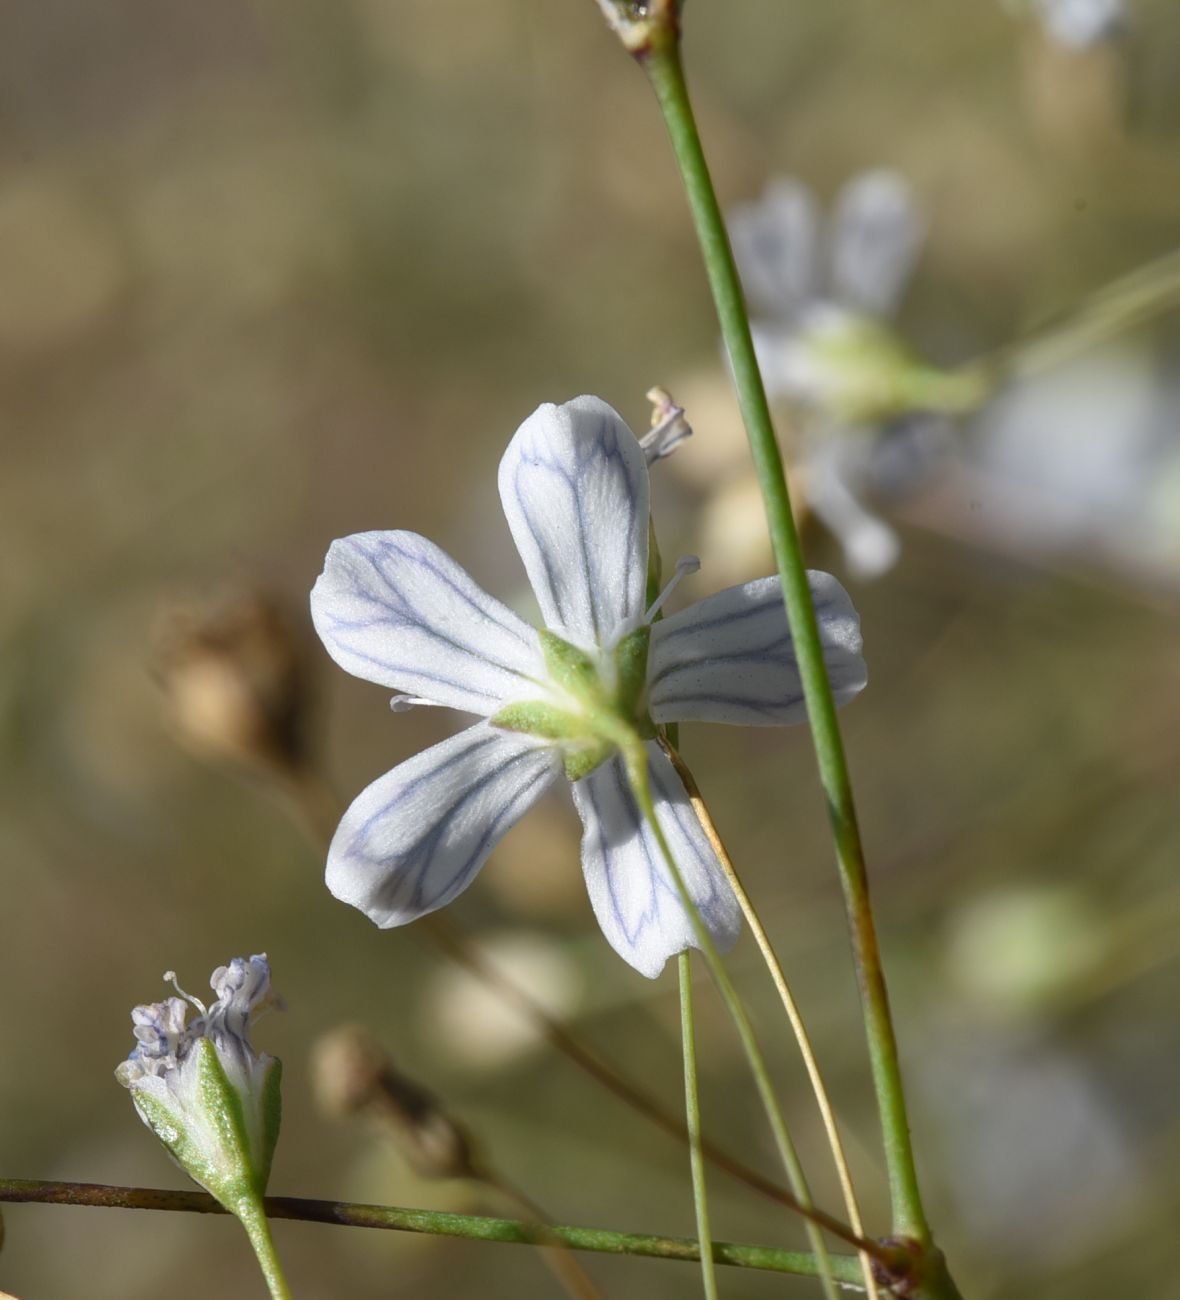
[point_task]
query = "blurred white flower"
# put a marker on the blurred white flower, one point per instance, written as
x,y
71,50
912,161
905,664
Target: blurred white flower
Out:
x,y
1081,24
826,344
204,1091
392,608
1084,459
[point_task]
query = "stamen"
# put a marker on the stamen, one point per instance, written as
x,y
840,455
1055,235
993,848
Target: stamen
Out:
x,y
685,565
170,978
669,428
404,703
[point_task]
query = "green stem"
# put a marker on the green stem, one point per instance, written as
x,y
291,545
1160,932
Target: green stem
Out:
x,y
692,1110
253,1219
661,61
846,1268
635,755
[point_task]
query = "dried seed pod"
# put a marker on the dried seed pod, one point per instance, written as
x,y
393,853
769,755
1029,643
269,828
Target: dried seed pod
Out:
x,y
233,671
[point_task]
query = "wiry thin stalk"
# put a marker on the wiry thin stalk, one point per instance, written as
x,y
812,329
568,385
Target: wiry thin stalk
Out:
x,y
692,1109
661,61
635,756
435,1223
790,1006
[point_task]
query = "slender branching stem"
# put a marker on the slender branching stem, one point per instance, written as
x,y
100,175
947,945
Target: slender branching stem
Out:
x,y
662,63
692,1110
635,755
790,1006
436,1223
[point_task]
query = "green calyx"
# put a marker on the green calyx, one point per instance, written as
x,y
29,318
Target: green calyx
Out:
x,y
877,377
211,1136
605,717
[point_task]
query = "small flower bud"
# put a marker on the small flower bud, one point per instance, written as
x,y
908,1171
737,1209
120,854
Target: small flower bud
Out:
x,y
202,1089
234,676
353,1076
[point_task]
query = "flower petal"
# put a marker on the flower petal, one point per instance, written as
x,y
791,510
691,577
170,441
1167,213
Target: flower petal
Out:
x,y
416,837
633,894
870,546
774,243
730,658
575,489
393,608
876,237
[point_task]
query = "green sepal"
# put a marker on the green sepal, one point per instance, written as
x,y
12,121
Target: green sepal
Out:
x,y
244,1179
271,1107
543,720
170,1127
570,666
655,566
631,665
582,761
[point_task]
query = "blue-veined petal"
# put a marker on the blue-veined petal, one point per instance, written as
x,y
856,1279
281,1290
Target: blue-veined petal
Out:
x,y
774,242
876,237
575,490
416,837
393,608
730,658
632,892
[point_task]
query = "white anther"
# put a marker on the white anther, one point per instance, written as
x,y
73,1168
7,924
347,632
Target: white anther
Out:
x,y
404,703
685,565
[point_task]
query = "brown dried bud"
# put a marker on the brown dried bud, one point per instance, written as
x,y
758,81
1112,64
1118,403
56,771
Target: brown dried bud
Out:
x,y
233,671
351,1076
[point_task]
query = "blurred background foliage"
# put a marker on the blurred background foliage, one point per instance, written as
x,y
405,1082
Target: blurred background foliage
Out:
x,y
272,273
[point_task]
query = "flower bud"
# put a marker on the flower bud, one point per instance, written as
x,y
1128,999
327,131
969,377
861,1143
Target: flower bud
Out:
x,y
202,1089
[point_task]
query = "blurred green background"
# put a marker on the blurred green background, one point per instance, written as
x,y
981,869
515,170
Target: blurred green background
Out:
x,y
273,273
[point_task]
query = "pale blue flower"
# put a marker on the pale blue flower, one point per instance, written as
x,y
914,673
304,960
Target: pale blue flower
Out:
x,y
394,609
203,1090
827,291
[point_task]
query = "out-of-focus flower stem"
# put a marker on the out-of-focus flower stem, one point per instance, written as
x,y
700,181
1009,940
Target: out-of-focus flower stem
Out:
x,y
351,1214
662,62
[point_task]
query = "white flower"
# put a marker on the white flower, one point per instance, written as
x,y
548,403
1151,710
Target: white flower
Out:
x,y
1082,24
828,292
394,609
827,345
202,1089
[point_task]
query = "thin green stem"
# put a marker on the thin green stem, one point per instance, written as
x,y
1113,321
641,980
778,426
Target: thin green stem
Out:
x,y
790,1006
257,1227
661,61
436,1223
692,1110
635,756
